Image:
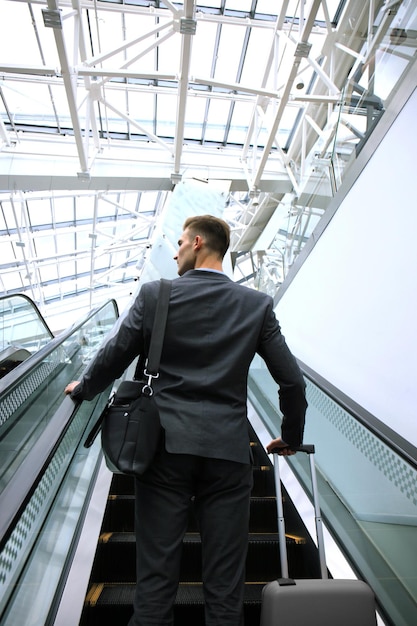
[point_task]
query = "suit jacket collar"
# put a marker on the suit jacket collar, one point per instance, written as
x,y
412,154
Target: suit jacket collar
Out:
x,y
206,275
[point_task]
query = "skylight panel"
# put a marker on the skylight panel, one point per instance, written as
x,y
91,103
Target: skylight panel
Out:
x,y
105,210
48,272
256,57
9,216
40,213
203,47
3,224
105,31
242,114
29,102
66,242
126,200
9,51
270,7
229,53
165,115
196,108
169,54
7,255
63,208
83,208
148,201
239,5
83,280
102,262
218,112
12,282
215,4
45,245
142,110
67,268
112,120
83,265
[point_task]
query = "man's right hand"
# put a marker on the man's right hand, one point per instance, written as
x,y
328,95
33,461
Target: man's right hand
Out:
x,y
70,387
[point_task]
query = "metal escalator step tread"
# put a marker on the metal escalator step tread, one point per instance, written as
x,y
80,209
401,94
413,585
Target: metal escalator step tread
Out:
x,y
192,593
127,537
101,594
117,537
110,594
253,592
189,593
194,538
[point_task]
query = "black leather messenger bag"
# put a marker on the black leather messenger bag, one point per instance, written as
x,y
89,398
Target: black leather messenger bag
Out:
x,y
129,424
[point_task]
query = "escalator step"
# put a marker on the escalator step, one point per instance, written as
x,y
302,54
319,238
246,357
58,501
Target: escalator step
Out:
x,y
263,482
115,558
122,485
119,515
110,594
110,603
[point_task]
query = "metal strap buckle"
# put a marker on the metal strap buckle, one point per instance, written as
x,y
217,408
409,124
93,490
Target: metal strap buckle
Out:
x,y
147,388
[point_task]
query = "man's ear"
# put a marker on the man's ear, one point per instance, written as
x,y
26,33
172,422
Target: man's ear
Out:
x,y
198,242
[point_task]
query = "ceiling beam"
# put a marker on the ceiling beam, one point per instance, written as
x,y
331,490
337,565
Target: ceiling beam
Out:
x,y
53,20
187,27
302,49
48,165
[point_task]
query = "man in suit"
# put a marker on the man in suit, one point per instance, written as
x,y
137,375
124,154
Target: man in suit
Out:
x,y
214,328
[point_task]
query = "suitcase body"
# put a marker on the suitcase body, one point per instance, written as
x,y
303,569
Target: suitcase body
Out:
x,y
316,602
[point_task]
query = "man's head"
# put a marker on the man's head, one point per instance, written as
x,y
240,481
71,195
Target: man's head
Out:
x,y
203,243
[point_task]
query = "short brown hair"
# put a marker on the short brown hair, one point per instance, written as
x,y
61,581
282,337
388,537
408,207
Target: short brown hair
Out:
x,y
216,232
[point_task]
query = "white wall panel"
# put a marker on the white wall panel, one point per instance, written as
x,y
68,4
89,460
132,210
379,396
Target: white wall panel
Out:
x,y
350,311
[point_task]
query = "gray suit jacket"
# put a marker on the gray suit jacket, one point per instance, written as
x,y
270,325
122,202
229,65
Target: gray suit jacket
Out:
x,y
214,329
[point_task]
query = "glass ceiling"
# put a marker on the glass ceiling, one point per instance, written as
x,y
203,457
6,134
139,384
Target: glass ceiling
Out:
x,y
106,107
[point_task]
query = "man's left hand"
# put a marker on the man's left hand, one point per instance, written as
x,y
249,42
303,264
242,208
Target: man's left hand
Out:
x,y
279,446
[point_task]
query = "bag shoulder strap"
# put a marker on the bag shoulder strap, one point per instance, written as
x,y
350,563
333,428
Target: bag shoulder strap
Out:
x,y
158,329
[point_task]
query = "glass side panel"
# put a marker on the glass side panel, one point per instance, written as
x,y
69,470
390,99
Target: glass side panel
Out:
x,y
33,560
34,556
368,493
21,325
27,408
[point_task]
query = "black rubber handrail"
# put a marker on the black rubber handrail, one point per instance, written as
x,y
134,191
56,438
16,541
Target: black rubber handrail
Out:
x,y
34,307
12,379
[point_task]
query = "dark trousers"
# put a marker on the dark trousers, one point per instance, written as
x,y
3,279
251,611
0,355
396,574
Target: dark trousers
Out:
x,y
221,493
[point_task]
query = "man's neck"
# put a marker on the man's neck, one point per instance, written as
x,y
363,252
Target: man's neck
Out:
x,y
209,263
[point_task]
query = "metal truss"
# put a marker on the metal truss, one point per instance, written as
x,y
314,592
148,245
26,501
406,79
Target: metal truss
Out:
x,y
307,107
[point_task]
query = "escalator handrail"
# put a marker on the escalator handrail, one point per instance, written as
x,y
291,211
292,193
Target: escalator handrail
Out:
x,y
34,307
387,435
12,379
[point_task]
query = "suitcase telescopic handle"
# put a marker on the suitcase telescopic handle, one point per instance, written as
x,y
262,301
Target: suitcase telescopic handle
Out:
x,y
307,448
310,450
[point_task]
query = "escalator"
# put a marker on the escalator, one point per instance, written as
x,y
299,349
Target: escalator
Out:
x,y
11,357
111,588
367,480
43,469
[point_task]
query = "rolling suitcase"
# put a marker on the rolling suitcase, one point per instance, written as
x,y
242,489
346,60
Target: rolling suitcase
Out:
x,y
313,602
